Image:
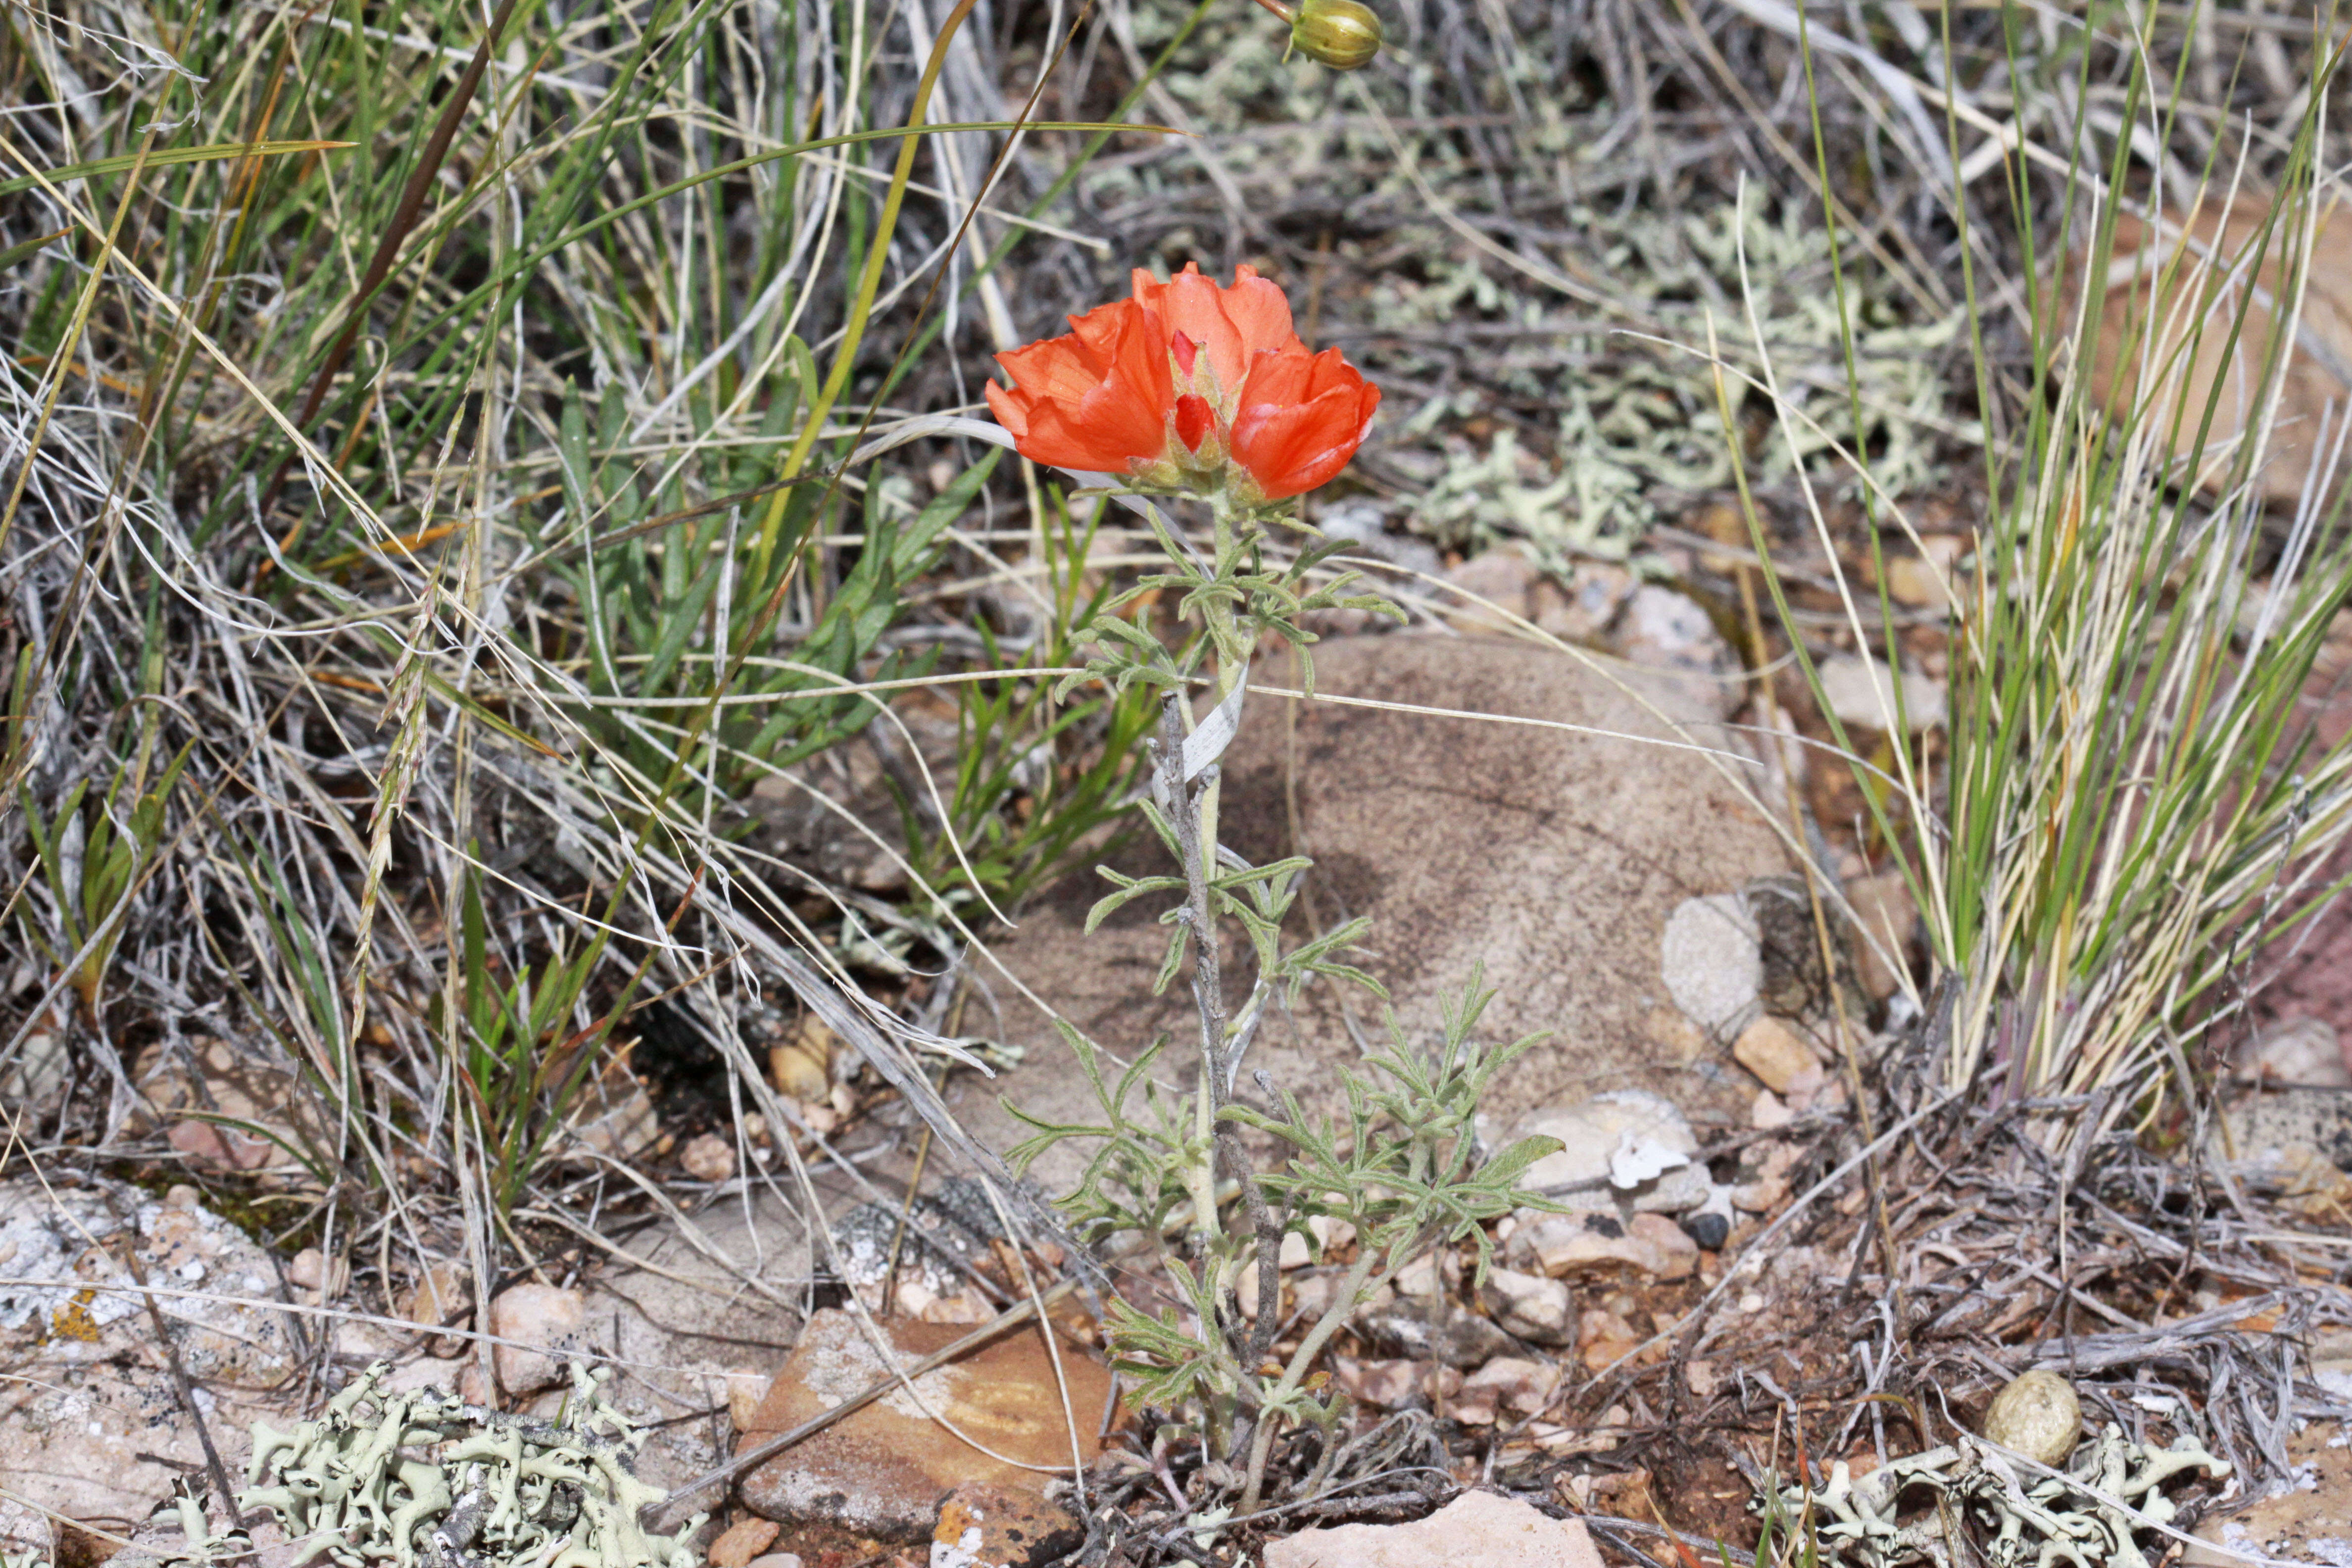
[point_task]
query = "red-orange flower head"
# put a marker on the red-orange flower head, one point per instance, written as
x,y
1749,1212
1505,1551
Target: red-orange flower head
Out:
x,y
1188,386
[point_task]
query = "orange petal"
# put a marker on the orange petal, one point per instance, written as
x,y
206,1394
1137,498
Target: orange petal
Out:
x,y
1096,399
1230,325
1061,368
1295,376
1100,329
1139,359
1261,312
1008,409
1194,306
1301,419
1066,436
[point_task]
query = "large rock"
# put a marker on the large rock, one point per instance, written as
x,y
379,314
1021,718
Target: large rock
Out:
x,y
91,1424
692,1333
1553,857
880,1471
2278,1131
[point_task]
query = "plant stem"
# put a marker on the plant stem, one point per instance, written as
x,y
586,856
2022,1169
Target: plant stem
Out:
x,y
1208,998
1193,814
1351,1291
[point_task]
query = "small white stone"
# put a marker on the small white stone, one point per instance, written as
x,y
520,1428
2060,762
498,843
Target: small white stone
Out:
x,y
1668,631
1533,1307
2303,1051
1861,693
746,1391
537,1316
1511,1384
1712,960
708,1157
1628,1143
1779,1056
1476,1527
1503,578
1577,1243
1329,1232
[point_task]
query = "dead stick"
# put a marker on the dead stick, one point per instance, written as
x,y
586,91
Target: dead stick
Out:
x,y
213,1469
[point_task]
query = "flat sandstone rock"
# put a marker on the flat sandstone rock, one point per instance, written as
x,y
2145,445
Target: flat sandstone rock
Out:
x,y
91,1426
881,1471
1555,858
1476,1527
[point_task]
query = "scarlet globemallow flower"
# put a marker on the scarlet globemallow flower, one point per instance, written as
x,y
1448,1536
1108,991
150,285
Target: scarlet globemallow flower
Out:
x,y
1188,385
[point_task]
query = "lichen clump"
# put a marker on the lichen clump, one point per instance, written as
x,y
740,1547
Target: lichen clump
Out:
x,y
423,1480
2086,1517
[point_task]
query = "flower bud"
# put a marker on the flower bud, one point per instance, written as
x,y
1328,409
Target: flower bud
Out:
x,y
1342,34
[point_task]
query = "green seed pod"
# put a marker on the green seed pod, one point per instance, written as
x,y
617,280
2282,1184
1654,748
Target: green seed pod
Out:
x,y
1342,34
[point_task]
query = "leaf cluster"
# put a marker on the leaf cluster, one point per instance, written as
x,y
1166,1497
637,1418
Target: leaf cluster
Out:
x,y
1257,897
91,863
1238,595
1400,1165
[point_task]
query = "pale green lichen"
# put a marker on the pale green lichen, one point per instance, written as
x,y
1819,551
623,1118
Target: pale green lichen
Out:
x,y
1636,423
2084,1519
423,1480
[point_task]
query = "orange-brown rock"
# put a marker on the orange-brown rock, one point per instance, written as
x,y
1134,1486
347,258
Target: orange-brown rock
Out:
x,y
881,1471
983,1525
2197,273
741,1541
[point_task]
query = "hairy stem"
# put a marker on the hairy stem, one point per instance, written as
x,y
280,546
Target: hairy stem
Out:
x,y
1208,999
1194,816
1352,1290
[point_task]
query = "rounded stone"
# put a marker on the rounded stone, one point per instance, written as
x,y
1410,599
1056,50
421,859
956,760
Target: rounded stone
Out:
x,y
1707,1229
2036,1414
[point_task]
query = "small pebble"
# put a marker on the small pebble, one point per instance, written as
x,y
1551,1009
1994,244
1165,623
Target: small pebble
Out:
x,y
2038,1414
1708,1229
742,1541
708,1157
